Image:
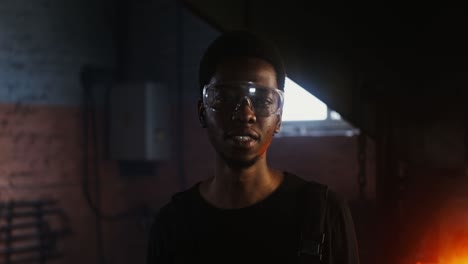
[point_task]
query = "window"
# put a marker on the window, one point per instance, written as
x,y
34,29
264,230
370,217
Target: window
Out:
x,y
305,115
300,105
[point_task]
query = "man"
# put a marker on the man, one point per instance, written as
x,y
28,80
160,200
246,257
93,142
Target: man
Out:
x,y
247,212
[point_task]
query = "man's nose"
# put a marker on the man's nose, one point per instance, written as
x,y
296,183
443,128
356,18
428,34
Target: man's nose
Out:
x,y
245,111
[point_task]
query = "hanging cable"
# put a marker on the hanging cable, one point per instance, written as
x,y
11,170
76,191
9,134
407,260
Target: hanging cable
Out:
x,y
86,143
91,162
90,127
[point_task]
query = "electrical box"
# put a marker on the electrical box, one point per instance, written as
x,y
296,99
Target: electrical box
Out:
x,y
139,126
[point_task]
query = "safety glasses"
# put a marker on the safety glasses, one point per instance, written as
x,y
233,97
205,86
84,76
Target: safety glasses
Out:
x,y
228,97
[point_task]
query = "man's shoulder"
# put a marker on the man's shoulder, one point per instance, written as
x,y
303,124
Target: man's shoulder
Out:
x,y
185,196
336,204
178,202
335,201
298,181
294,180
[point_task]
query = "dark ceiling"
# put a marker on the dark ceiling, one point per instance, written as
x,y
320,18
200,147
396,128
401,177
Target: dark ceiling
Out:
x,y
357,53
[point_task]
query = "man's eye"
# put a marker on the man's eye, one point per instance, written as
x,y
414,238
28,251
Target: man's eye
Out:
x,y
263,101
219,99
223,99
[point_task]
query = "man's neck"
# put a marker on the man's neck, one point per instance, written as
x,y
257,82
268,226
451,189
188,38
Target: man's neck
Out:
x,y
231,189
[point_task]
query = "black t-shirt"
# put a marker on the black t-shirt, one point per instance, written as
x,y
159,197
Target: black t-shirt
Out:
x,y
190,230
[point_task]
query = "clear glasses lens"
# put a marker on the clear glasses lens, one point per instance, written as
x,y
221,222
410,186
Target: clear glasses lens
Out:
x,y
227,97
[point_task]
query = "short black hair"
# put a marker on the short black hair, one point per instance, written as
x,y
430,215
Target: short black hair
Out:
x,y
240,43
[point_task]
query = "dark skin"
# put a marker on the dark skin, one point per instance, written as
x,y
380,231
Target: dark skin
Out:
x,y
242,176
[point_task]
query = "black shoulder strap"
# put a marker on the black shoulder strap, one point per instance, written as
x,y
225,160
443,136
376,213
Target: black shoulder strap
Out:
x,y
314,211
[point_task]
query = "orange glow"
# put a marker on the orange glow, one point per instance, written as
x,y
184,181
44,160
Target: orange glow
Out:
x,y
457,253
456,260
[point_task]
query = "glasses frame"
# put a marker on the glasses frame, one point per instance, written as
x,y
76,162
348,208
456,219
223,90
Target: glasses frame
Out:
x,y
250,84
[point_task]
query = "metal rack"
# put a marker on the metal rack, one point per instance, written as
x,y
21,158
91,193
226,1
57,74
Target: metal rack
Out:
x,y
28,232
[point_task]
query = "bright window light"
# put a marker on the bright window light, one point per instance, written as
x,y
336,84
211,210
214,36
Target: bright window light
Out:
x,y
300,105
334,115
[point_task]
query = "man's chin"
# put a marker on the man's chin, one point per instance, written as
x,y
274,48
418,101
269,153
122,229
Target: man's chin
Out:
x,y
239,164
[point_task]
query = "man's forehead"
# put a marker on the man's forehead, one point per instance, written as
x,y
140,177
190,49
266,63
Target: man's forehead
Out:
x,y
245,69
244,61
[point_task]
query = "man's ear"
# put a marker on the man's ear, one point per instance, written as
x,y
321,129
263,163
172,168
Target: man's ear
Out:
x,y
278,125
202,114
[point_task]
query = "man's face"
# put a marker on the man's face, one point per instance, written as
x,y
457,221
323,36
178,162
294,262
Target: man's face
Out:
x,y
241,136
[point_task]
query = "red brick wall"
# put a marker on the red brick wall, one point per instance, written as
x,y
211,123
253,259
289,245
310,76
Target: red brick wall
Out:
x,y
42,159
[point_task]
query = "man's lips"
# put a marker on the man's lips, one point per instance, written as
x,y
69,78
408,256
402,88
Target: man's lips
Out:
x,y
242,138
242,135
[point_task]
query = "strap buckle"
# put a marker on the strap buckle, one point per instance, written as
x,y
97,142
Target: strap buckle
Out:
x,y
311,247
